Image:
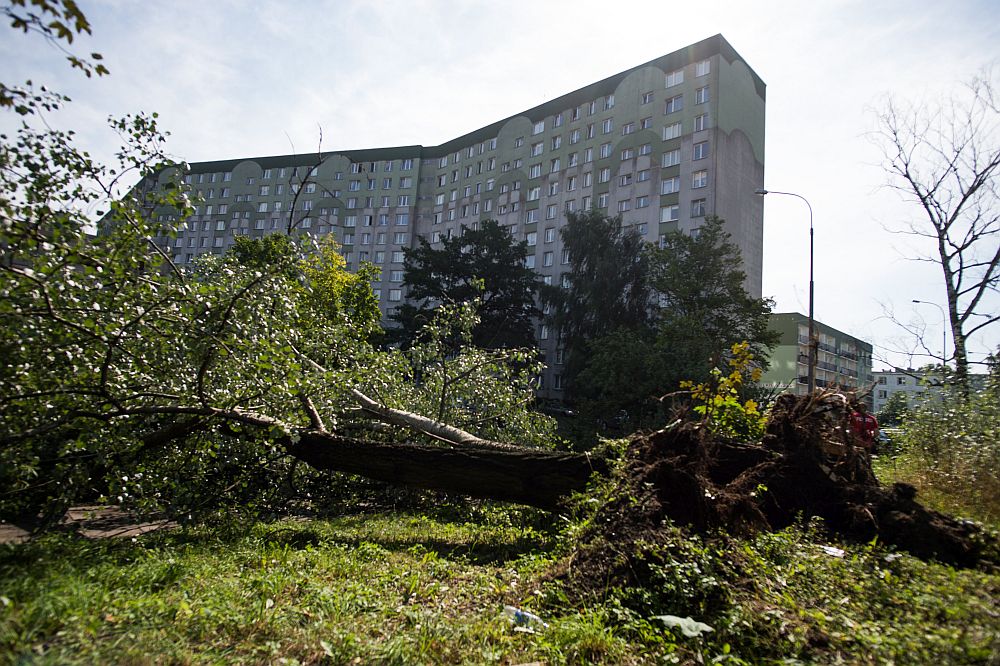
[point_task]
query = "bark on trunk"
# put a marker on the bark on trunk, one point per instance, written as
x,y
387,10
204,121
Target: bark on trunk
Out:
x,y
526,476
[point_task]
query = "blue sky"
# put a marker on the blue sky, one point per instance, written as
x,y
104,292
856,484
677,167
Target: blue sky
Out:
x,y
231,78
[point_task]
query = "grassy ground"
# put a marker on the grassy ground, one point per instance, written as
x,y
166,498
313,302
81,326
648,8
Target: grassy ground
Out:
x,y
430,588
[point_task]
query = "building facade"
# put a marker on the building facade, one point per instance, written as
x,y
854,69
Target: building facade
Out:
x,y
662,144
842,360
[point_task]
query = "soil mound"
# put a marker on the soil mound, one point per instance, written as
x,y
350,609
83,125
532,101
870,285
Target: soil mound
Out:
x,y
806,466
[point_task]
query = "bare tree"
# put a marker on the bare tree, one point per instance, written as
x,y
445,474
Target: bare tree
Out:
x,y
945,157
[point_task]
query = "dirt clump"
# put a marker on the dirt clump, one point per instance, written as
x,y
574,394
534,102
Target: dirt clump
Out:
x,y
806,466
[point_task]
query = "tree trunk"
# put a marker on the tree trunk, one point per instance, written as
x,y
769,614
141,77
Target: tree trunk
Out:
x,y
527,476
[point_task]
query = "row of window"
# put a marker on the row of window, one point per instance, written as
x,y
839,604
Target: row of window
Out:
x,y
674,104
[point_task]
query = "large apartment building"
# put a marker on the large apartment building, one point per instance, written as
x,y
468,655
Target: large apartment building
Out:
x,y
662,144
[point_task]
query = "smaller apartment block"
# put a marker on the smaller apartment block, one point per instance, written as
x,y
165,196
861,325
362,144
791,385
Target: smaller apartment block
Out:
x,y
842,360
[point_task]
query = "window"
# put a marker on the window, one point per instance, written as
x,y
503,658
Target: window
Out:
x,y
701,95
385,202
588,179
395,276
588,155
587,202
259,224
609,102
881,380
883,394
402,219
564,257
670,185
556,142
574,136
642,176
354,186
380,238
605,150
387,183
703,68
395,295
554,165
646,149
646,97
310,188
571,184
265,190
701,150
607,126
531,216
399,238
670,213
307,205
543,334
225,193
675,78
671,131
380,257
262,207
646,123
537,148
534,193
529,261
553,188
397,257
602,200
518,142
699,179
625,179
624,206
628,128
547,258
550,213
224,208
534,171
350,220
604,175
590,131
407,164
700,122
642,202
366,238
349,238
900,381
550,235
539,127
698,208
573,159
404,200
674,104
628,154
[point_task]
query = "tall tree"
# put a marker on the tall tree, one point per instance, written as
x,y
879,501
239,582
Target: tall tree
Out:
x,y
703,305
637,320
607,286
485,265
945,158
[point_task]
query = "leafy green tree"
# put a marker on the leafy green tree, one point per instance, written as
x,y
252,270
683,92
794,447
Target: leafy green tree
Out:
x,y
637,319
894,411
704,308
485,265
607,288
125,377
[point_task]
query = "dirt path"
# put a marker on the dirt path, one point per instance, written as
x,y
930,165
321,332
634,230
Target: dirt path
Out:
x,y
92,522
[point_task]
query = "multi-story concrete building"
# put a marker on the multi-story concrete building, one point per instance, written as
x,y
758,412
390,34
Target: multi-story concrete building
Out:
x,y
662,144
916,385
842,360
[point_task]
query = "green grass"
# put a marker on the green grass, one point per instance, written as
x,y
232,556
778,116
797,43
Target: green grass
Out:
x,y
429,589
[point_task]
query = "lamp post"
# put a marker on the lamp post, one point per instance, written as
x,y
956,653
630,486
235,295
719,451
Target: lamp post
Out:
x,y
944,330
813,341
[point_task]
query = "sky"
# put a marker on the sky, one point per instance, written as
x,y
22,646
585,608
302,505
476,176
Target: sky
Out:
x,y
231,78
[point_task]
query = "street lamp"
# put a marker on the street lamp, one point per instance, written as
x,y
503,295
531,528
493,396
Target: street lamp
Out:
x,y
944,330
813,341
